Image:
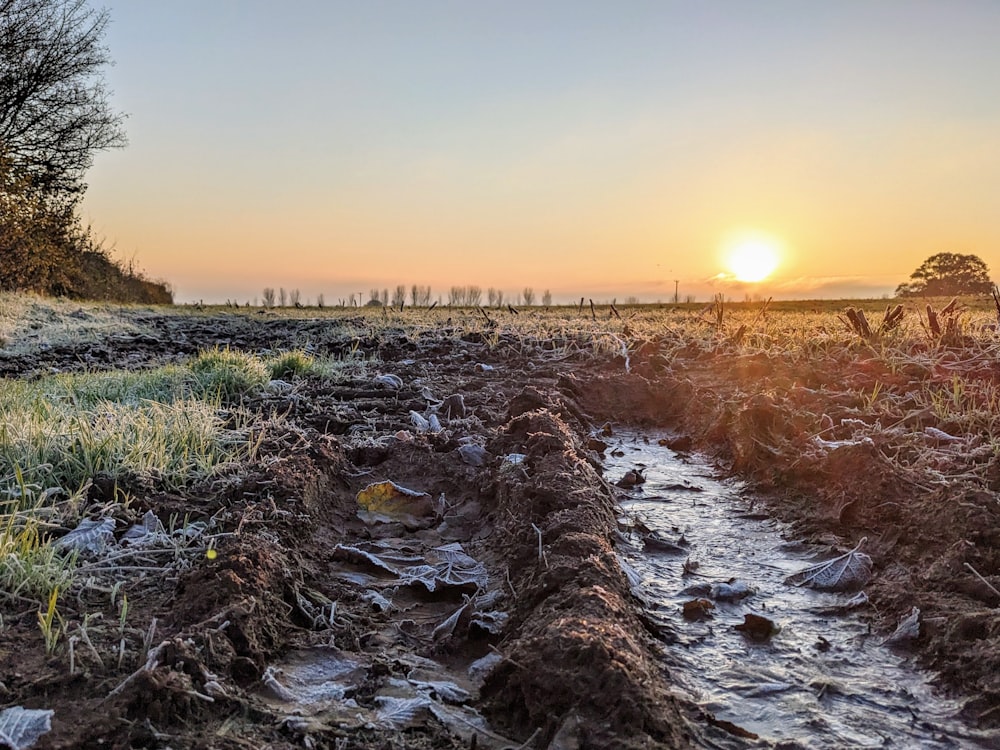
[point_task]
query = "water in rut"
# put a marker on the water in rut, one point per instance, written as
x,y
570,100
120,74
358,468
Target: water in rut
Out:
x,y
822,680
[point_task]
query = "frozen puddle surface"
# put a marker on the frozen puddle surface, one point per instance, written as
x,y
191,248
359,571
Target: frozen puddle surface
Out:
x,y
822,680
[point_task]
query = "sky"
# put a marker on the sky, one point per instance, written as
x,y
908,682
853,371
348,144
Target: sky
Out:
x,y
594,149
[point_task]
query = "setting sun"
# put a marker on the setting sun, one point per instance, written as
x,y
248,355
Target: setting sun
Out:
x,y
752,258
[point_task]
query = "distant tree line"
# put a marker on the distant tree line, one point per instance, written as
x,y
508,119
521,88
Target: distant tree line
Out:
x,y
54,116
418,295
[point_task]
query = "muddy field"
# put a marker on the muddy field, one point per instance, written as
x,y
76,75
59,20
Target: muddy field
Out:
x,y
479,600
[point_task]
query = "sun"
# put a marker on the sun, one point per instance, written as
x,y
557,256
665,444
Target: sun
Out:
x,y
752,258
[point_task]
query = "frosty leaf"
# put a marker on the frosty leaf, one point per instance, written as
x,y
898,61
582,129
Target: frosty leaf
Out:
x,y
400,713
860,599
443,690
21,727
446,566
90,536
851,570
631,574
455,568
392,562
393,381
907,630
730,591
148,530
419,421
447,628
470,727
492,622
480,669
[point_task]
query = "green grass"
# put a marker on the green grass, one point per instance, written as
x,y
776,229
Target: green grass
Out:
x,y
168,427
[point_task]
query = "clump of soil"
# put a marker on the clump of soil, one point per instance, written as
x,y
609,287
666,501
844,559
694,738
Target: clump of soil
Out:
x,y
578,661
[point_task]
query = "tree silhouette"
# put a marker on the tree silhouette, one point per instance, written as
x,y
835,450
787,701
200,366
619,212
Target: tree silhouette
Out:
x,y
946,275
54,109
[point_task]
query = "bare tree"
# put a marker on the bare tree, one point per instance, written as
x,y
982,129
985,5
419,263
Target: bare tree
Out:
x,y
268,295
320,301
294,298
547,298
456,296
399,296
420,296
474,295
491,297
282,296
385,297
528,296
54,108
373,296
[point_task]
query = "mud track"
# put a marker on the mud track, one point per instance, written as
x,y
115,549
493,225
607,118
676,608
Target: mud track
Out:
x,y
570,662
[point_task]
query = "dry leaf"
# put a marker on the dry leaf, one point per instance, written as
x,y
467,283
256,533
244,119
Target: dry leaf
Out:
x,y
386,502
852,570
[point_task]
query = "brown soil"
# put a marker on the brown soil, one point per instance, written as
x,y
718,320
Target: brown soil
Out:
x,y
189,665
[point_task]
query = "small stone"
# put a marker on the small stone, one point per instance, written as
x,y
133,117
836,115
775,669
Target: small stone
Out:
x,y
697,609
473,455
631,479
757,627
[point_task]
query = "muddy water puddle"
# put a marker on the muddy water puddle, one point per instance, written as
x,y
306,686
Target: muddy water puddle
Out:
x,y
816,679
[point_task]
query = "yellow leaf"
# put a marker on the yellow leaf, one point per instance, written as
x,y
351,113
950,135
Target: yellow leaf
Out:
x,y
386,502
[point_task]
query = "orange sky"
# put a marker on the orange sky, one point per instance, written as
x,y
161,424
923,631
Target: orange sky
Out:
x,y
587,149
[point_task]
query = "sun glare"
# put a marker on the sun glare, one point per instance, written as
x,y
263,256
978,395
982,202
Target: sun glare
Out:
x,y
752,259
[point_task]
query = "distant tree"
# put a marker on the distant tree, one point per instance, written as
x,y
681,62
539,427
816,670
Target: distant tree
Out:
x,y
295,298
420,295
385,296
528,296
399,296
946,275
547,298
491,296
282,296
474,295
268,295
